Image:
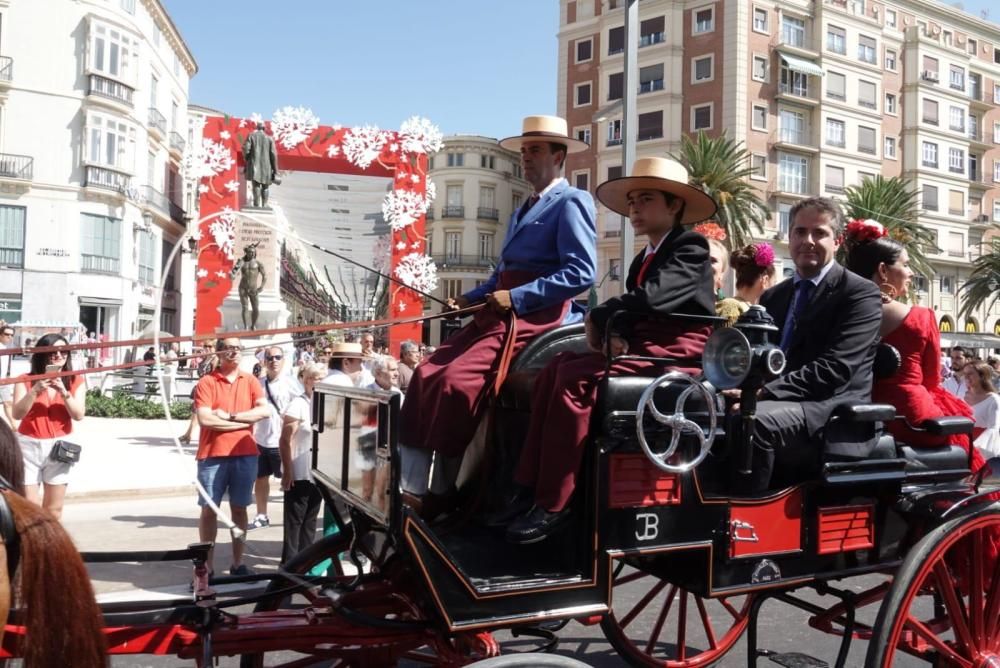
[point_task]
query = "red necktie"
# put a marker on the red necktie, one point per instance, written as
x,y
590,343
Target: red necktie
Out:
x,y
642,270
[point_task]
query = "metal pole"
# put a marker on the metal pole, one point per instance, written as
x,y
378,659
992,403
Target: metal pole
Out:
x,y
630,115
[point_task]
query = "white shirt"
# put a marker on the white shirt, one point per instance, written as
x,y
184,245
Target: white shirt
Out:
x,y
267,432
300,408
818,278
339,378
987,414
955,384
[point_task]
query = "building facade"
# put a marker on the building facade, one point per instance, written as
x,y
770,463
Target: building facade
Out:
x,y
92,131
823,95
479,186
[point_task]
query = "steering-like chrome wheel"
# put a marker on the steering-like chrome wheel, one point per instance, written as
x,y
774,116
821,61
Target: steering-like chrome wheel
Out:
x,y
677,422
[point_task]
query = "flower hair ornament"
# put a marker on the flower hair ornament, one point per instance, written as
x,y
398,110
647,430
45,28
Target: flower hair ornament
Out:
x,y
710,230
861,231
764,255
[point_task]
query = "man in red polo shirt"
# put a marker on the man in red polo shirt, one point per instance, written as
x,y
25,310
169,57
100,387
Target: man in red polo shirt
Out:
x,y
227,402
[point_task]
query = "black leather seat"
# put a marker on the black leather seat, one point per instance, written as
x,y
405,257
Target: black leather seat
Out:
x,y
517,388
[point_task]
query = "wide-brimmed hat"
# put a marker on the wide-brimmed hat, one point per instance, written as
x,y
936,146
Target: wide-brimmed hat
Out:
x,y
658,174
346,350
544,128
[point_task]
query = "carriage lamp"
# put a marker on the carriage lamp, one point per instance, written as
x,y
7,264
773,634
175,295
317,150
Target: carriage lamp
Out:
x,y
734,354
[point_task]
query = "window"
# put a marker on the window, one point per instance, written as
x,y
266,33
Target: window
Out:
x,y
650,125
453,197
890,60
784,210
930,71
956,160
971,45
582,95
516,199
616,86
485,246
996,133
867,47
109,142
996,55
996,93
487,161
792,127
582,180
956,77
488,201
154,84
652,31
758,117
974,161
651,78
12,220
100,244
704,21
834,179
794,83
583,134
456,160
111,52
157,34
956,203
865,176
702,68
956,244
759,72
616,40
836,86
919,283
890,147
975,86
452,288
929,200
836,39
930,109
996,171
929,154
614,172
996,210
759,163
793,173
956,119
973,125
890,18
147,257
760,20
128,6
453,246
890,104
584,50
866,140
835,133
947,287
701,117
793,31
614,132
867,94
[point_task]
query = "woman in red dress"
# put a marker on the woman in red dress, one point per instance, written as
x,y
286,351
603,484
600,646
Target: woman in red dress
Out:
x,y
672,275
915,390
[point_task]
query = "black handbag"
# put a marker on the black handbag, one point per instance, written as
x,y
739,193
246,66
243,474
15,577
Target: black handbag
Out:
x,y
66,452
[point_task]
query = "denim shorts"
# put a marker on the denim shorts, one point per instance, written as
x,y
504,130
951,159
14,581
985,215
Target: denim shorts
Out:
x,y
235,475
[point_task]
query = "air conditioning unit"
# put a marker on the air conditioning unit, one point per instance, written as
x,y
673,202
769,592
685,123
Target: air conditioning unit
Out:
x,y
929,75
982,218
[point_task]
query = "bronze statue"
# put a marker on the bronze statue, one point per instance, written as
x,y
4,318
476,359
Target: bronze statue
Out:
x,y
249,268
261,157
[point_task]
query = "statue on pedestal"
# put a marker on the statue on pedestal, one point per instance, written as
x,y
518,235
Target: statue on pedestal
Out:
x,y
249,268
261,157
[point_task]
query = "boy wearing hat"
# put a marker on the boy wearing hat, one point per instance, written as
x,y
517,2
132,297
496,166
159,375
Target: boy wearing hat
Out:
x,y
547,259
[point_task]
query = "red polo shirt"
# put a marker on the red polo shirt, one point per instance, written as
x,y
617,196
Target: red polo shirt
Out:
x,y
215,391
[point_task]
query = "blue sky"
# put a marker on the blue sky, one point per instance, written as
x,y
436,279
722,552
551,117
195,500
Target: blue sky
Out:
x,y
468,68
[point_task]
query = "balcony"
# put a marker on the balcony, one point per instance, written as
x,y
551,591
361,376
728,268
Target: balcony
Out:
x,y
6,70
16,167
155,200
157,123
109,89
107,178
429,215
796,93
650,86
453,211
449,262
99,264
177,143
486,213
652,38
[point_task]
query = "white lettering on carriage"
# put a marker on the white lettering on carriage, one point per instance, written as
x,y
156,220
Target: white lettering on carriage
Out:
x,y
650,526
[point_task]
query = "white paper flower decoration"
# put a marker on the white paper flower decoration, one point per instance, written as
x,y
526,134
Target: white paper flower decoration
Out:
x,y
223,231
292,125
401,208
221,274
419,135
202,273
207,159
256,118
233,186
225,135
332,151
431,192
417,271
362,145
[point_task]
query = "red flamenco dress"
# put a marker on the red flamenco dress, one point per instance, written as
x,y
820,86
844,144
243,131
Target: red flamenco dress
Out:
x,y
915,390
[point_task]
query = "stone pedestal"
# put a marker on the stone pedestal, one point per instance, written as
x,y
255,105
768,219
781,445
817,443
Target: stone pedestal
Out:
x,y
273,313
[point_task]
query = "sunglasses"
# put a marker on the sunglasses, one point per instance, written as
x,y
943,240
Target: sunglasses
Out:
x,y
272,358
60,353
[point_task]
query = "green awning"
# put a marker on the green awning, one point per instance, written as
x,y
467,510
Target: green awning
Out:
x,y
802,65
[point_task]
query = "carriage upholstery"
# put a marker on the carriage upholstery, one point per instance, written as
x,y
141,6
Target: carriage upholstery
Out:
x,y
516,391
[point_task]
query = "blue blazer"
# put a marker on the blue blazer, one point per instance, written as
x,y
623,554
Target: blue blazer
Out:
x,y
556,239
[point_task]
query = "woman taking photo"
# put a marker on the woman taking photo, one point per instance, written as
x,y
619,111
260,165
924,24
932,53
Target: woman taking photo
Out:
x,y
982,396
47,409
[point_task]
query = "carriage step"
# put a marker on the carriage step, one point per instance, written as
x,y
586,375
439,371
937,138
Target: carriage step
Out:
x,y
797,660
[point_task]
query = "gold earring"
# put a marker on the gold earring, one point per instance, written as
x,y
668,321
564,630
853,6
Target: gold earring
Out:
x,y
888,295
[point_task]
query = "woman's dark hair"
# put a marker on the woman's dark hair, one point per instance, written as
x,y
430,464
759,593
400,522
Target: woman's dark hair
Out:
x,y
744,263
39,360
864,257
11,460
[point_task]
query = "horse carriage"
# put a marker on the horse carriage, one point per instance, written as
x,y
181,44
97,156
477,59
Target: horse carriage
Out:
x,y
655,514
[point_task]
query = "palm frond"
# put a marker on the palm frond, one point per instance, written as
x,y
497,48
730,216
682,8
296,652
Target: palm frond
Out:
x,y
983,286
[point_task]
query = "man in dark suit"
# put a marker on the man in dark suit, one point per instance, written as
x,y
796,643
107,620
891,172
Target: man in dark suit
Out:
x,y
829,320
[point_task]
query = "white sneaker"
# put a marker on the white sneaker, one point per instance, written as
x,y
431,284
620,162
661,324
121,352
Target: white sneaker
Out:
x,y
259,522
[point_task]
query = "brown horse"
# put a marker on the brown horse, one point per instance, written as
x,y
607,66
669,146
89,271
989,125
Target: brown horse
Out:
x,y
43,578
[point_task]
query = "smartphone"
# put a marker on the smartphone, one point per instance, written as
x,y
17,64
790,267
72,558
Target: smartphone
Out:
x,y
53,368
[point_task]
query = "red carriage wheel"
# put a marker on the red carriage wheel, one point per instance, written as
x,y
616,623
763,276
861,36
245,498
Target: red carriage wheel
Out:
x,y
944,603
668,626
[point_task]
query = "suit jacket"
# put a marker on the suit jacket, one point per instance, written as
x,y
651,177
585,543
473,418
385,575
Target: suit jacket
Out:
x,y
829,359
556,240
678,280
261,158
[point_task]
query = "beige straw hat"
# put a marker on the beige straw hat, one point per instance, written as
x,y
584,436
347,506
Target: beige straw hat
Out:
x,y
544,128
346,350
658,174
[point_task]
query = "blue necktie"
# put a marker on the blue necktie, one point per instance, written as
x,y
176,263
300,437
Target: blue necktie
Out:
x,y
802,293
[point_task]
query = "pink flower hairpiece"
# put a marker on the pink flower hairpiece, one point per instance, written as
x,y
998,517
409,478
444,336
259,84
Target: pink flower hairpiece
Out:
x,y
764,256
710,230
860,231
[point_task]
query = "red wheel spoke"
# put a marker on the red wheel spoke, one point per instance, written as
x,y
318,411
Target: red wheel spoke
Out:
x,y
943,648
729,607
993,607
956,611
658,627
643,602
706,621
682,627
976,586
631,577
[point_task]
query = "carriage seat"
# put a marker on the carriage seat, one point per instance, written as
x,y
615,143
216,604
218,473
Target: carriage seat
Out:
x,y
517,388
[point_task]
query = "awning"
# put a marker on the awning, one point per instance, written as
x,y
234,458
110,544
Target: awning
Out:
x,y
976,340
802,65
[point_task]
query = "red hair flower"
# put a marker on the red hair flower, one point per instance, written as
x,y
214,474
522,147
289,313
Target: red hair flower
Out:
x,y
710,230
764,256
860,231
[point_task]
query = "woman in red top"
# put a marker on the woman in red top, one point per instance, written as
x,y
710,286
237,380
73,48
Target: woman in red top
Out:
x,y
47,410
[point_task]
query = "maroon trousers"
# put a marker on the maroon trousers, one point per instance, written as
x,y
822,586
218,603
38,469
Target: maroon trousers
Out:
x,y
564,397
448,392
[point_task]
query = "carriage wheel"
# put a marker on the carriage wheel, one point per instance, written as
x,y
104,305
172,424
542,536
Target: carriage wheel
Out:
x,y
944,603
669,627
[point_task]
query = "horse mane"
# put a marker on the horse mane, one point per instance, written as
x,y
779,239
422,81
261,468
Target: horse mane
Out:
x,y
63,624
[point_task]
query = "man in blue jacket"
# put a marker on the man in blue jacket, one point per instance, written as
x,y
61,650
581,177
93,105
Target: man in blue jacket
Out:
x,y
547,258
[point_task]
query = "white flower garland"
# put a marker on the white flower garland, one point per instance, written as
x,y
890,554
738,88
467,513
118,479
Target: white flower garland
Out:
x,y
363,145
417,271
292,125
419,135
207,159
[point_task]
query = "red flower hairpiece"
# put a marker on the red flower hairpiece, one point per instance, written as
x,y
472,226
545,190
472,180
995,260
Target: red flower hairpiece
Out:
x,y
710,230
860,231
764,256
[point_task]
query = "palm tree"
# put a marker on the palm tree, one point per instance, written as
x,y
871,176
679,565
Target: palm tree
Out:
x,y
893,202
721,167
984,281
